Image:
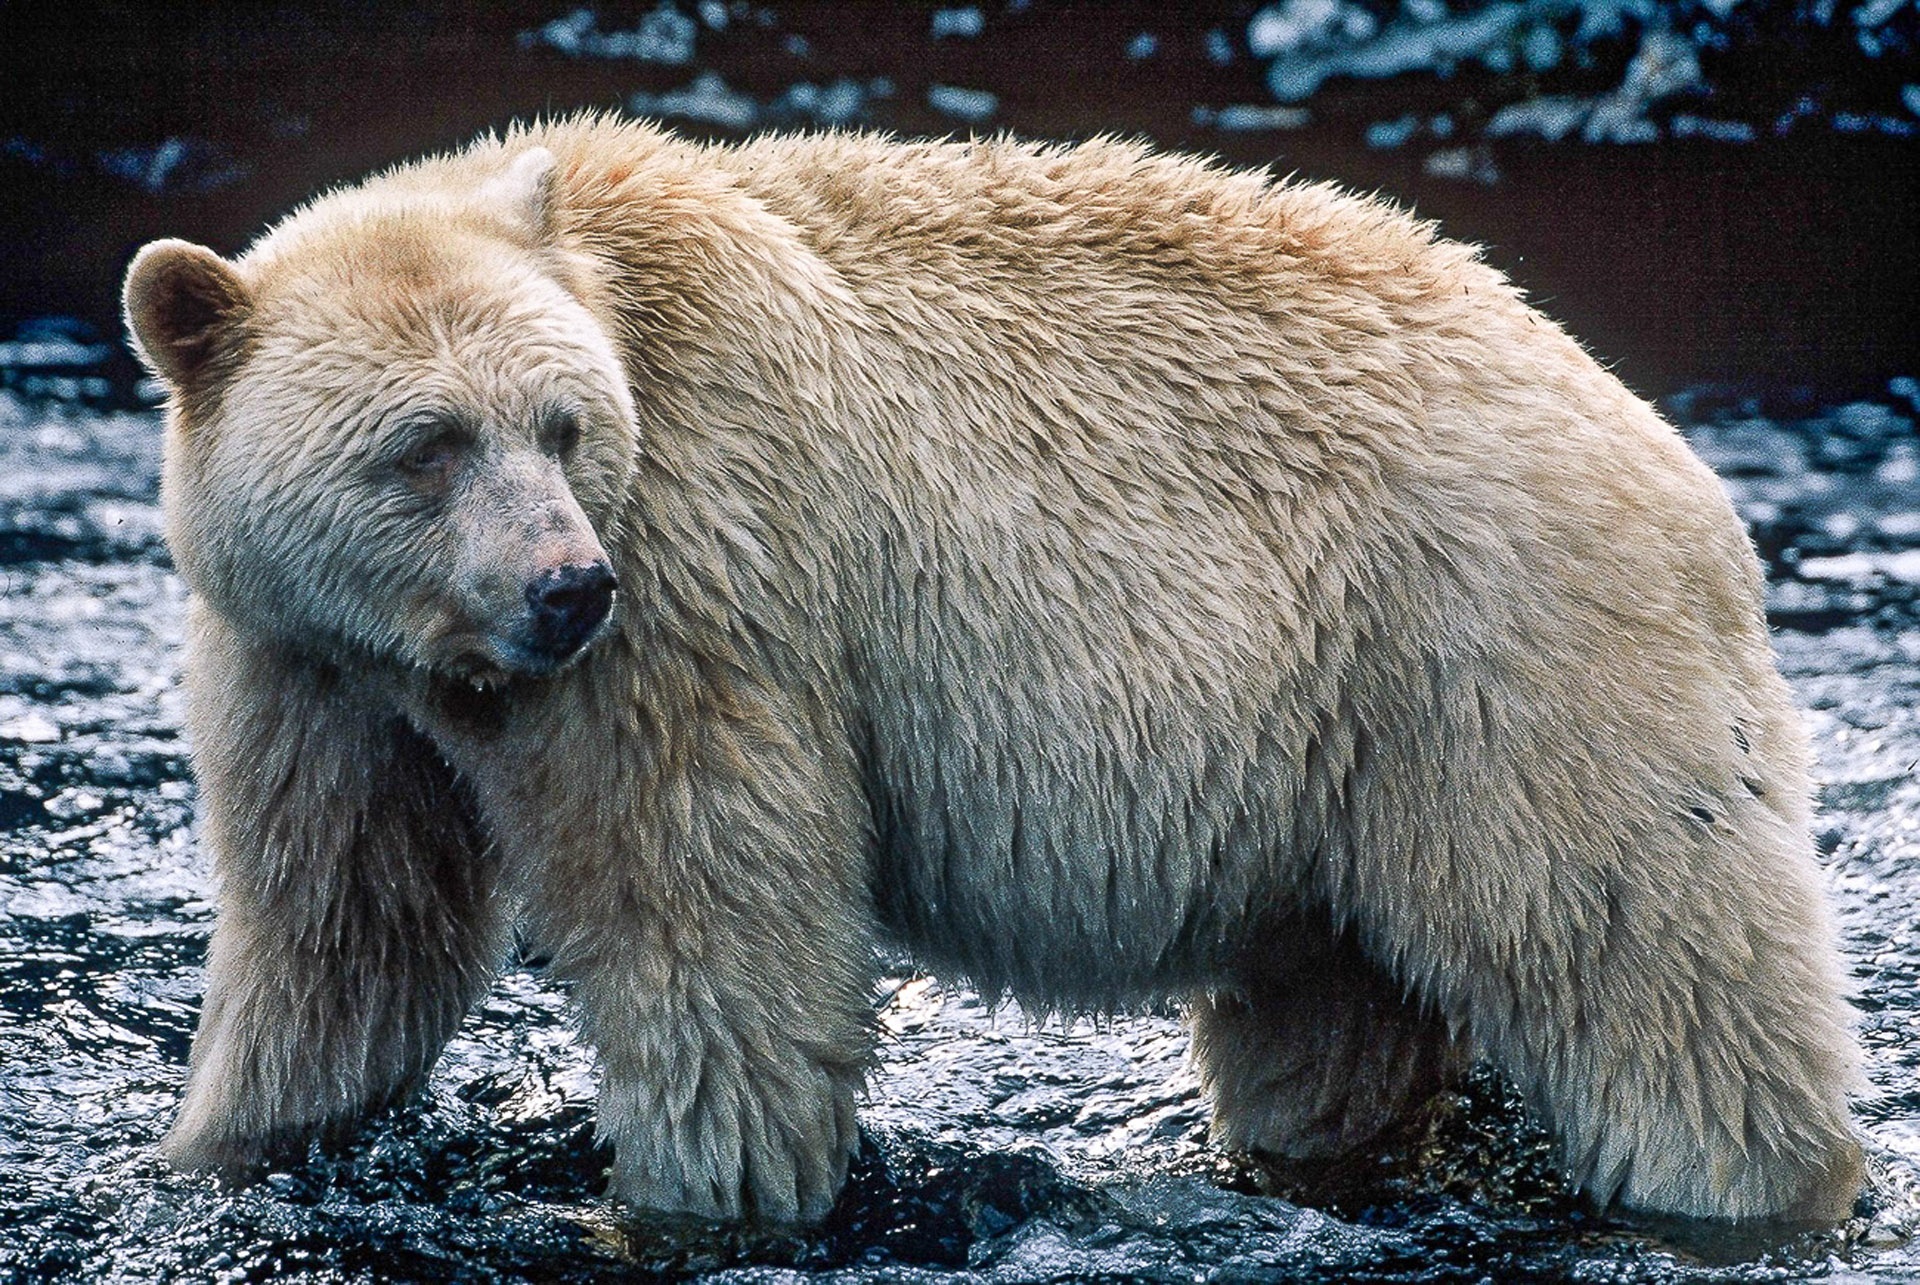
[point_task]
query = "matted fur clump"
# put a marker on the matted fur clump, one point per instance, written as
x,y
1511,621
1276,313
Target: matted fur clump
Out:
x,y
1107,575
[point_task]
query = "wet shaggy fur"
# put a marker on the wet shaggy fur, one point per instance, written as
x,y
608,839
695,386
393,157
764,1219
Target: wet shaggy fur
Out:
x,y
1107,575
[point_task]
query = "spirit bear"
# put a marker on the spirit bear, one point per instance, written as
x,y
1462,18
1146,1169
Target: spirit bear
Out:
x,y
1107,576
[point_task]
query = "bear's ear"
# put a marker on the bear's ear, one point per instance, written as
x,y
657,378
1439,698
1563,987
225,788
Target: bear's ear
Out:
x,y
524,192
184,305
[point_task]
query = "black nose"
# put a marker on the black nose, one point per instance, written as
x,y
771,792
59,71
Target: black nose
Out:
x,y
568,605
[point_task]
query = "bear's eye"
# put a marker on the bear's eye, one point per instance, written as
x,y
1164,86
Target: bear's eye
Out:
x,y
561,433
433,460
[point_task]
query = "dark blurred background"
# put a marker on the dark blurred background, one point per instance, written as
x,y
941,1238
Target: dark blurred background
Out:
x,y
1713,191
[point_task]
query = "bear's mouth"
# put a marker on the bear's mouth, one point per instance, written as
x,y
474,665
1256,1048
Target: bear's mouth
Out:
x,y
478,710
487,662
564,611
474,671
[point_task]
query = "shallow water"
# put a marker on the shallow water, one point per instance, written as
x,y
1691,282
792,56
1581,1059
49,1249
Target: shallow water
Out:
x,y
996,1148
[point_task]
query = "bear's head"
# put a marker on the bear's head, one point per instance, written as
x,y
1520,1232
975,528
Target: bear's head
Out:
x,y
393,428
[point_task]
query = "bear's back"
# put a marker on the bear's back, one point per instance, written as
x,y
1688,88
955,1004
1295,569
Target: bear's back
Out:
x,y
1189,535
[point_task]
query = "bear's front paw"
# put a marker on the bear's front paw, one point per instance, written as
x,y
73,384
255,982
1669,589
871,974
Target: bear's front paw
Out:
x,y
769,1152
234,1160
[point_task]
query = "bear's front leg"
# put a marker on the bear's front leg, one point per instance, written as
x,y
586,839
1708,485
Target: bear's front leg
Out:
x,y
716,927
356,923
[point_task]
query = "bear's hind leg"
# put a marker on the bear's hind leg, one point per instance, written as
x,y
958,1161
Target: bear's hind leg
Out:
x,y
1656,975
1317,1061
356,917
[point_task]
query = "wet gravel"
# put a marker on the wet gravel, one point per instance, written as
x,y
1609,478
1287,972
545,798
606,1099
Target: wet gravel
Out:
x,y
996,1149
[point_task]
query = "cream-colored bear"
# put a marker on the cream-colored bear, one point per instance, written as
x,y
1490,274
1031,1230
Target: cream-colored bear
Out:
x,y
1107,575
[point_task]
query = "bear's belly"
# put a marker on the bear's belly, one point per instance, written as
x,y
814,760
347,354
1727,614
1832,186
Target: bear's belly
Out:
x,y
1069,906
